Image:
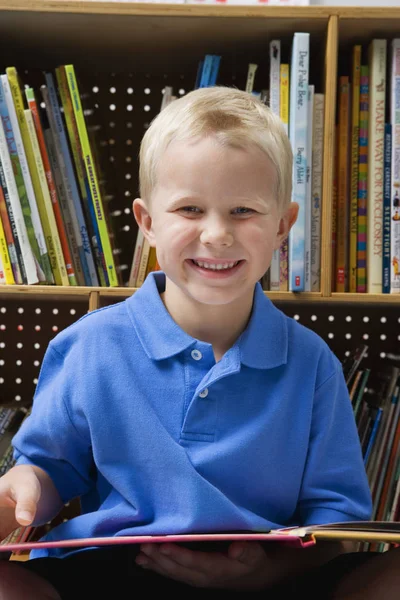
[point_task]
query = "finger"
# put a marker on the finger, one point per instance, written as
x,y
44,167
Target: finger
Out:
x,y
26,497
247,553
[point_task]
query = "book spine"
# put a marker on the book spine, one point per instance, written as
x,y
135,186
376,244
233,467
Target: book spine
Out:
x,y
8,182
92,176
251,73
46,210
377,58
284,112
144,257
342,215
5,257
395,174
355,132
316,192
84,188
72,192
67,217
11,242
206,73
2,276
20,169
30,96
298,137
308,209
274,103
387,164
136,259
215,69
29,171
362,182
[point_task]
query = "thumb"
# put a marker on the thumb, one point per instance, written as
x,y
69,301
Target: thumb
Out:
x,y
26,498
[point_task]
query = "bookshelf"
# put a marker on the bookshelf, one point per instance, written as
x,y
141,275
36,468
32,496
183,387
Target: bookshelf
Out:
x,y
135,50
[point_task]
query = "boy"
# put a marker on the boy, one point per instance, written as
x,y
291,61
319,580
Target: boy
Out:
x,y
195,405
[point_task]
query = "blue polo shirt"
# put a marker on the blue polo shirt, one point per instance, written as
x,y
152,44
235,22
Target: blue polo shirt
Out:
x,y
135,416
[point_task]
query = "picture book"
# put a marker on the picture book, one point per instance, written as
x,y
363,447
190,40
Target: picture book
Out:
x,y
300,537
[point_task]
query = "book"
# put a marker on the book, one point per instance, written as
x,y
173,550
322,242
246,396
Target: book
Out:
x,y
384,531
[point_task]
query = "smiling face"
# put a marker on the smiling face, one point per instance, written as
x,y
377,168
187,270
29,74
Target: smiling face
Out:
x,y
214,219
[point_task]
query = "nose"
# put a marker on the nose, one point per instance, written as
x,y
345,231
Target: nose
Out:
x,y
216,232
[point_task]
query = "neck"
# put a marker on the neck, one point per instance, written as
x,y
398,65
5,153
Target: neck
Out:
x,y
219,325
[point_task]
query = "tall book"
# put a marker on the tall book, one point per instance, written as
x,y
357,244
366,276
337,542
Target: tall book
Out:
x,y
308,217
5,257
92,176
46,209
387,164
31,99
274,103
83,183
316,190
376,132
284,112
30,237
355,132
342,212
31,176
362,182
68,177
395,172
10,239
298,137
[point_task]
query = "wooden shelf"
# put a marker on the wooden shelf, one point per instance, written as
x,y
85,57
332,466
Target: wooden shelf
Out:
x,y
33,292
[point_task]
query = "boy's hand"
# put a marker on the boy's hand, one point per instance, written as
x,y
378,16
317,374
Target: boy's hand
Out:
x,y
245,566
20,492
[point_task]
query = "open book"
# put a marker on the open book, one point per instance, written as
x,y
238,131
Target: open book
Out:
x,y
367,531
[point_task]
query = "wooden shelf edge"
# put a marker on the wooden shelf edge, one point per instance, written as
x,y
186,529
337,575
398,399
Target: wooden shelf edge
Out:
x,y
176,10
165,9
65,293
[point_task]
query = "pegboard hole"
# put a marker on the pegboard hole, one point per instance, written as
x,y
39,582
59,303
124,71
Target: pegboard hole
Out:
x,y
17,398
348,336
331,318
38,311
296,317
382,354
18,363
314,317
365,336
383,319
331,336
383,337
3,309
36,363
36,346
366,319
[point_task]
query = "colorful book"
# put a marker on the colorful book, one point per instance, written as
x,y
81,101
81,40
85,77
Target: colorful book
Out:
x,y
395,172
31,99
354,135
5,257
92,176
343,189
362,182
10,240
386,226
68,177
29,170
308,208
46,209
316,190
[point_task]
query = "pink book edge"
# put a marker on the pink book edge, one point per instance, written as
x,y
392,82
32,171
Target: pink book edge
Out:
x,y
292,540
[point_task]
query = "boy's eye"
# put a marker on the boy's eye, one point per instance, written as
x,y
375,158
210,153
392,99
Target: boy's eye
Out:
x,y
243,210
190,209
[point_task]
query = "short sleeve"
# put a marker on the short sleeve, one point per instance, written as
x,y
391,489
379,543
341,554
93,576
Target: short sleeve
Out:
x,y
51,437
335,486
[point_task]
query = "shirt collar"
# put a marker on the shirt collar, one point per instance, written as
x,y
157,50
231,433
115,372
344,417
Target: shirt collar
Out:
x,y
263,344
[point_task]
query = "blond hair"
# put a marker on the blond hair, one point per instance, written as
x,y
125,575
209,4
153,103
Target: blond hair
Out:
x,y
236,118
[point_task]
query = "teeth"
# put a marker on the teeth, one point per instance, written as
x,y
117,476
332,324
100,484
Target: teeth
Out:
x,y
214,267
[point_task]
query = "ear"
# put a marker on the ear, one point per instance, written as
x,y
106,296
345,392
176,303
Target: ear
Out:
x,y
287,220
143,218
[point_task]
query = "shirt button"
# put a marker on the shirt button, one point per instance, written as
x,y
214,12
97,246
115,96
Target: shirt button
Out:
x,y
204,393
196,354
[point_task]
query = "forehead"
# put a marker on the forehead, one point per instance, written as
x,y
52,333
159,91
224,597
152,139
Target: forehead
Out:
x,y
205,161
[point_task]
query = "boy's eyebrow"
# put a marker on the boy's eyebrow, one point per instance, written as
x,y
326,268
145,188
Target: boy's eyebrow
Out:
x,y
190,198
